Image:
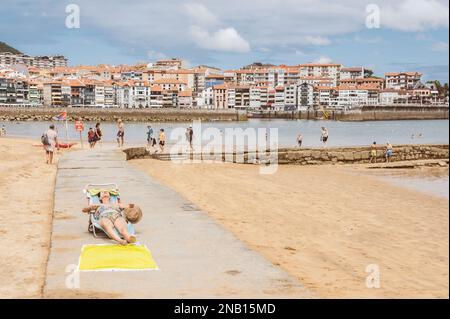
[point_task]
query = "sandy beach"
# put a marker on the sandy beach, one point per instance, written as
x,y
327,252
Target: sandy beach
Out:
x,y
26,185
324,225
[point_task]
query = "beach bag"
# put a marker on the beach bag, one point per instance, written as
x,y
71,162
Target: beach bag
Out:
x,y
44,139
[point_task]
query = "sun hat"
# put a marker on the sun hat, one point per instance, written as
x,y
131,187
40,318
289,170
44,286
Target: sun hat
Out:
x,y
133,213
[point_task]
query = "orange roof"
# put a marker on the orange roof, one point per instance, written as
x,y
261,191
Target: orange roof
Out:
x,y
186,93
220,87
352,69
402,73
156,88
72,82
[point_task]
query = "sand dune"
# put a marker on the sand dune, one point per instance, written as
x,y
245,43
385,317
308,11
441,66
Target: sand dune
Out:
x,y
325,225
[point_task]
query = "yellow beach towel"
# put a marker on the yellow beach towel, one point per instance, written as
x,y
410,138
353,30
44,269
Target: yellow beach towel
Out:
x,y
116,257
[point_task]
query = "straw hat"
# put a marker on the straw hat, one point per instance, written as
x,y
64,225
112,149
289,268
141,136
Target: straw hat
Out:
x,y
133,213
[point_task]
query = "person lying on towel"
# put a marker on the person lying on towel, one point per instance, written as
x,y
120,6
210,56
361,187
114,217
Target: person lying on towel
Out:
x,y
110,216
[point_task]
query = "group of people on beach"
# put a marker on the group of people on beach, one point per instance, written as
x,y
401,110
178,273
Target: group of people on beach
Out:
x,y
94,135
388,153
323,137
151,140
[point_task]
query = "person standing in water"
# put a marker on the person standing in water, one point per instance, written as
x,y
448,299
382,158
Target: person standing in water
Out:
x,y
373,153
299,140
389,152
120,133
97,133
324,136
91,137
162,140
149,136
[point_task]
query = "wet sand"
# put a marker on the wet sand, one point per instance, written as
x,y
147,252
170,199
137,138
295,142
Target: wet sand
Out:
x,y
325,225
26,185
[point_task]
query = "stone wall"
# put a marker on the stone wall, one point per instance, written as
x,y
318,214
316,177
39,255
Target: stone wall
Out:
x,y
378,113
112,115
359,155
312,156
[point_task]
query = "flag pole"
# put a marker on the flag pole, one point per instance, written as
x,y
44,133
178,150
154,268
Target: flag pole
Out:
x,y
67,132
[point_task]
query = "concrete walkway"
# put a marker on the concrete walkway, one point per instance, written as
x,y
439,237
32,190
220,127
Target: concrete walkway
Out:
x,y
197,257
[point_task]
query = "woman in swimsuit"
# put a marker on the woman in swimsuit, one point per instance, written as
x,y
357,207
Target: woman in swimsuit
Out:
x,y
110,216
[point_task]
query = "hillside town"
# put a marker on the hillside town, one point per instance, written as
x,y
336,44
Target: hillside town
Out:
x,y
48,81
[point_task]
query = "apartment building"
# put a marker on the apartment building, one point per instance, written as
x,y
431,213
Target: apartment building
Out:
x,y
185,99
170,84
329,70
374,82
220,96
10,59
169,64
352,73
42,62
36,93
305,96
402,80
52,93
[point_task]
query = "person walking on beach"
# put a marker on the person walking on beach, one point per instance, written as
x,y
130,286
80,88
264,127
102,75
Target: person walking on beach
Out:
x,y
120,132
162,140
50,141
389,152
97,133
91,136
373,153
191,137
324,136
299,140
3,130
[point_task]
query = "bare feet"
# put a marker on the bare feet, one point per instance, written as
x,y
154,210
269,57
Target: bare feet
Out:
x,y
132,239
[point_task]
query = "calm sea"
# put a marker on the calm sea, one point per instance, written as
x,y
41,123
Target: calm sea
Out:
x,y
340,133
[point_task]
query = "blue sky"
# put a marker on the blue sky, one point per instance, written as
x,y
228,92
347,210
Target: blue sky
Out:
x,y
413,34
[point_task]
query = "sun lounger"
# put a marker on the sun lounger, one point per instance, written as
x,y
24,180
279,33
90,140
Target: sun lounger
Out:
x,y
92,192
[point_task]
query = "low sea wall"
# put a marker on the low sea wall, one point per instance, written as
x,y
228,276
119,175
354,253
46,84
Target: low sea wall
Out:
x,y
310,156
378,113
112,115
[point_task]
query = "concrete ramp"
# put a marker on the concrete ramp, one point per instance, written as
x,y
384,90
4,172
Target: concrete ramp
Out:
x,y
197,257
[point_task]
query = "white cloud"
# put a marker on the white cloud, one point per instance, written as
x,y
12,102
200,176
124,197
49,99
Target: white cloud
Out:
x,y
415,15
226,40
440,46
200,15
323,60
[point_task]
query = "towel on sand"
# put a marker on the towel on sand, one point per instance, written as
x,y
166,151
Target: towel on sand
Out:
x,y
116,257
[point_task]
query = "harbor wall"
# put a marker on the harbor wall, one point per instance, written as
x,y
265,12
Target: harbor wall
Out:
x,y
310,156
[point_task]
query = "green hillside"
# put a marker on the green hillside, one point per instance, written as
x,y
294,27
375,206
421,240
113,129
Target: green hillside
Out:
x,y
6,48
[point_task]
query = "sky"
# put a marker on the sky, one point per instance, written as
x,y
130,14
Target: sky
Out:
x,y
383,35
